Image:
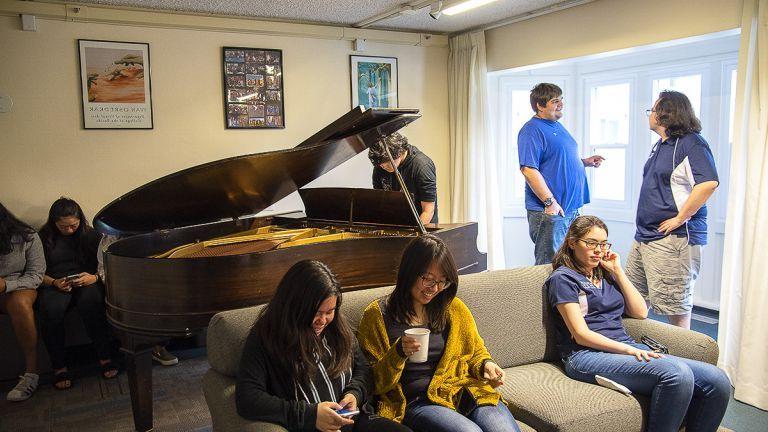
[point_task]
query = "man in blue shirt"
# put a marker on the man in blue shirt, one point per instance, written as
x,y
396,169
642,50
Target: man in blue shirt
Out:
x,y
556,182
678,178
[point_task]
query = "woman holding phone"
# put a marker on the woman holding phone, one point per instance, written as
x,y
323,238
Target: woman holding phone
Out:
x,y
589,292
71,280
301,365
454,388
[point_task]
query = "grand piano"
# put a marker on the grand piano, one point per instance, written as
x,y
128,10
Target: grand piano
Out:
x,y
193,243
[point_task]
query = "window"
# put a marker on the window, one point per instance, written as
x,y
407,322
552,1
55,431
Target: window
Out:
x,y
608,113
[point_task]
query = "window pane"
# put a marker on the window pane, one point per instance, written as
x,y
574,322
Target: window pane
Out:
x,y
732,109
608,181
609,114
690,85
520,113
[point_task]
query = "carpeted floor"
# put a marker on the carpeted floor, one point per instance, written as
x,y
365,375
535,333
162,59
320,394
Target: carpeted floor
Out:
x,y
95,404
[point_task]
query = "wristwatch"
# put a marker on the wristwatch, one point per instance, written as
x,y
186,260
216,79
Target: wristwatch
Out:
x,y
549,201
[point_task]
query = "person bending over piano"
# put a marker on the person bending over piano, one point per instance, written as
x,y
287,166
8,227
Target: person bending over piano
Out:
x,y
417,169
301,362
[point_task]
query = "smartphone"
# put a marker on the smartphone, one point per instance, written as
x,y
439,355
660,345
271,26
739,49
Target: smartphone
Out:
x,y
70,278
344,412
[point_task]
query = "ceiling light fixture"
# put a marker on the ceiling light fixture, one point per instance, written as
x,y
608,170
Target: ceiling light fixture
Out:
x,y
463,6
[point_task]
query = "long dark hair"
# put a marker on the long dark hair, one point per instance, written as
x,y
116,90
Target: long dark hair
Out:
x,y
285,324
675,112
49,233
420,253
11,226
565,256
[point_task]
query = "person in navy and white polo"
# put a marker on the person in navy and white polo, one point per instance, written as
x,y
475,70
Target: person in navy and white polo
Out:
x,y
678,179
556,182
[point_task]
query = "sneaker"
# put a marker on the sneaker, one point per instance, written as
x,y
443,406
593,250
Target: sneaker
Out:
x,y
162,356
24,389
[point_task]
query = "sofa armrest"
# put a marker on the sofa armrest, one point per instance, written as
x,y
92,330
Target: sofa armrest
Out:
x,y
681,342
219,391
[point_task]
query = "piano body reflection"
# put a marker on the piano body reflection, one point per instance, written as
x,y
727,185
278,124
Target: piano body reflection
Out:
x,y
193,245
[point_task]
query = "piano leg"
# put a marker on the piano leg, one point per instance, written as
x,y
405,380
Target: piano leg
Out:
x,y
139,366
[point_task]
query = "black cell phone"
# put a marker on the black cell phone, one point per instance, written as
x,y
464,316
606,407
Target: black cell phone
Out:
x,y
71,277
654,345
467,402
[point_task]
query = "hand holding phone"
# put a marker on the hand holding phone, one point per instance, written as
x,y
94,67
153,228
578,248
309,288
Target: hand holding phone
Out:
x,y
345,412
71,277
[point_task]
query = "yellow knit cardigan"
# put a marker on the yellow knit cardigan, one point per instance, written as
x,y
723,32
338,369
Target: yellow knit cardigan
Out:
x,y
460,366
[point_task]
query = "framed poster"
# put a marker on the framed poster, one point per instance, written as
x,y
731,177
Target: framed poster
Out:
x,y
374,81
253,88
115,84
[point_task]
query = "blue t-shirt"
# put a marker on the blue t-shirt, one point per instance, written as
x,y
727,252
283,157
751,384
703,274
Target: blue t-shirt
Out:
x,y
546,146
601,307
668,183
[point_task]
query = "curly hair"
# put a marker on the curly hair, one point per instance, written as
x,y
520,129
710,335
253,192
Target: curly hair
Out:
x,y
675,112
397,144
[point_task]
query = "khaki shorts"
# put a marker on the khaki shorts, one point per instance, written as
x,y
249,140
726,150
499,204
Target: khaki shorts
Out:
x,y
664,272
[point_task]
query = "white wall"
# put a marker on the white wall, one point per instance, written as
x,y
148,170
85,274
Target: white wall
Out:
x,y
606,25
45,153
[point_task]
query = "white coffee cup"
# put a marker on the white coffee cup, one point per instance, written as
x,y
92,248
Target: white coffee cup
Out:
x,y
422,337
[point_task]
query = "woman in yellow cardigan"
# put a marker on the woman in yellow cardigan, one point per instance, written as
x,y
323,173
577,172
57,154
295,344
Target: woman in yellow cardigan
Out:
x,y
454,389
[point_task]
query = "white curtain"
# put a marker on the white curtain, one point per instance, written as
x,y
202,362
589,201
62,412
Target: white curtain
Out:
x,y
744,294
474,187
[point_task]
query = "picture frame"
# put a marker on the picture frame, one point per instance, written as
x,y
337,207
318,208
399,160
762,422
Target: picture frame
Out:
x,y
253,88
115,84
374,81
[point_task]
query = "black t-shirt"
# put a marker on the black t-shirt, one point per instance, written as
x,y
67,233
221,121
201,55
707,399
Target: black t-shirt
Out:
x,y
66,257
420,178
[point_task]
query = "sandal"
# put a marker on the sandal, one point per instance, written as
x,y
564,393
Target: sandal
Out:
x,y
107,369
62,377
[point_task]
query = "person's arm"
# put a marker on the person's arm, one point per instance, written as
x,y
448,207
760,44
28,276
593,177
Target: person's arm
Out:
x,y
34,267
361,384
387,361
255,403
699,196
634,303
571,313
593,161
427,212
539,187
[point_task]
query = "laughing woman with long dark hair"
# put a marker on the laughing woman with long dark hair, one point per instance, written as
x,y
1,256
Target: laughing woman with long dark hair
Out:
x,y
301,362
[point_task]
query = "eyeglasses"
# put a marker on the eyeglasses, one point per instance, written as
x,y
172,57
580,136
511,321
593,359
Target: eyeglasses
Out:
x,y
592,245
428,282
649,111
556,100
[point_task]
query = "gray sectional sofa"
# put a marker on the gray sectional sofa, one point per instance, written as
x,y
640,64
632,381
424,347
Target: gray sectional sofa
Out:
x,y
512,317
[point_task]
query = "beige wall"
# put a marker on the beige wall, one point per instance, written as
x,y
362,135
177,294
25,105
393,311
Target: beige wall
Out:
x,y
45,153
606,25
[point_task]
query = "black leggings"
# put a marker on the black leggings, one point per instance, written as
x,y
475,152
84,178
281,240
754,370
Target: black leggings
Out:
x,y
54,305
374,423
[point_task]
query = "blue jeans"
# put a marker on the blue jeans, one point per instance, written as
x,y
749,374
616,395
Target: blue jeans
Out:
x,y
678,387
548,233
423,416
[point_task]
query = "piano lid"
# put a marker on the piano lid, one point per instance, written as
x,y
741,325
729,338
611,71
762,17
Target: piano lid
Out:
x,y
245,185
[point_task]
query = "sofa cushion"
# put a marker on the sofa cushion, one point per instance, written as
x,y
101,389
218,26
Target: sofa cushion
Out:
x,y
226,337
509,308
542,395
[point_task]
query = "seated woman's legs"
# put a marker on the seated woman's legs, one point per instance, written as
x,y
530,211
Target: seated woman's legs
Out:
x,y
89,300
53,307
668,381
494,418
422,416
711,393
18,305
